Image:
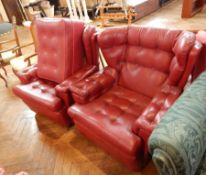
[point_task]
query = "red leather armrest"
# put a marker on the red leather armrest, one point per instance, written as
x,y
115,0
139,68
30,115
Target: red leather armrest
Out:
x,y
62,89
159,105
91,87
27,75
153,113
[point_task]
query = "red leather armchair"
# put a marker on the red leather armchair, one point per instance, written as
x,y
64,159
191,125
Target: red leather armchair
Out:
x,y
64,47
118,108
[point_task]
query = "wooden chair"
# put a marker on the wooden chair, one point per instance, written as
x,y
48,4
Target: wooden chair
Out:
x,y
18,64
10,47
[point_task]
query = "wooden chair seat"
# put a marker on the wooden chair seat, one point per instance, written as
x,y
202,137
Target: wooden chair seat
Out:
x,y
19,63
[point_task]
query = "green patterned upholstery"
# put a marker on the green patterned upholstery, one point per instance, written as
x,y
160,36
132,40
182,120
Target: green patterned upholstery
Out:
x,y
178,143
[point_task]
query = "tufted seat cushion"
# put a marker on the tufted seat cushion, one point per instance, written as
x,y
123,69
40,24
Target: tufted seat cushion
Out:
x,y
40,92
115,111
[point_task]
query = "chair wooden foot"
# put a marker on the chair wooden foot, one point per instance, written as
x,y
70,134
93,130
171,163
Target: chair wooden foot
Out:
x,y
2,66
5,71
6,84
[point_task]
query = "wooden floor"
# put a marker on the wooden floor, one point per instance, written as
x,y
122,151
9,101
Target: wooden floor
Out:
x,y
169,16
34,144
38,146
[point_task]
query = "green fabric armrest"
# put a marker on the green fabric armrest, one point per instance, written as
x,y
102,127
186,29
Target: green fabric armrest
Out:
x,y
178,143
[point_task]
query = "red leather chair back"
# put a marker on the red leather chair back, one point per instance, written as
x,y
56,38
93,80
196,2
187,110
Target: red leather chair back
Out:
x,y
146,58
186,51
60,48
90,45
201,63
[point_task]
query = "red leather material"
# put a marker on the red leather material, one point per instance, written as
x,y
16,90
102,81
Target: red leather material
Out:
x,y
182,48
201,63
194,57
60,55
166,54
151,67
133,162
135,55
59,117
148,80
184,44
153,113
62,90
175,72
27,75
90,45
159,39
40,92
79,75
112,118
54,38
113,45
92,87
124,43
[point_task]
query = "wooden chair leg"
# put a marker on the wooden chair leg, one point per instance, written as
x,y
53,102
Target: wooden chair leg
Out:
x,y
5,71
16,35
6,84
129,16
1,66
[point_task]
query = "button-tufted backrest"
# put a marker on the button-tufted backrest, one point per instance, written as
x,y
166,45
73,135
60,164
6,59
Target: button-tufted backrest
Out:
x,y
146,58
90,45
60,48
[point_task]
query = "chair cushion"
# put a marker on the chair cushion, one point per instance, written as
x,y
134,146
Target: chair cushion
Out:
x,y
111,117
41,93
148,81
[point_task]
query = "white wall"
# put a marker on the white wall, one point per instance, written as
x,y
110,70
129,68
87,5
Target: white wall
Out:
x,y
3,13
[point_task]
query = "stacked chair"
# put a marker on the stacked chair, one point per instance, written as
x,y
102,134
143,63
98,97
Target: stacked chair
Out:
x,y
117,107
61,53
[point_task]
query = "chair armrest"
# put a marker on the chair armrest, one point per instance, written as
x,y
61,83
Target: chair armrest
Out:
x,y
28,59
153,113
62,89
27,75
92,87
177,144
159,105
